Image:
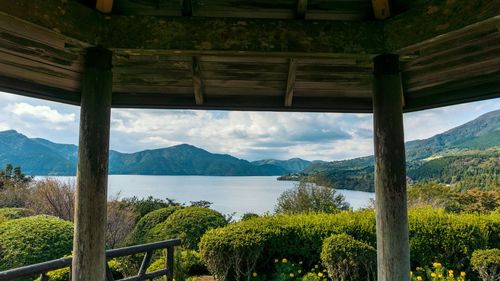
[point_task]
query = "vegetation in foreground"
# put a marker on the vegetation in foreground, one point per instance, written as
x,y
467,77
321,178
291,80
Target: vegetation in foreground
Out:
x,y
313,235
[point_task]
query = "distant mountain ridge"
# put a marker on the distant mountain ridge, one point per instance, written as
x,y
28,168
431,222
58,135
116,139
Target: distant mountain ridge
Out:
x,y
42,157
293,165
467,156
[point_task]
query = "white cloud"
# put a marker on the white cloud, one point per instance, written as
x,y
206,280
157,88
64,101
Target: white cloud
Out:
x,y
4,126
41,112
247,135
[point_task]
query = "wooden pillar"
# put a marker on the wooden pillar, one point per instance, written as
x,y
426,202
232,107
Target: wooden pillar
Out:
x,y
393,249
92,176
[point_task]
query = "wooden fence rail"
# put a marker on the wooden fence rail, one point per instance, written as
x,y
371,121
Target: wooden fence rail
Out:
x,y
41,269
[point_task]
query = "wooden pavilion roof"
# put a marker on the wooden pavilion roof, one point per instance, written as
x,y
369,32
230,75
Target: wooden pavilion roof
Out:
x,y
280,55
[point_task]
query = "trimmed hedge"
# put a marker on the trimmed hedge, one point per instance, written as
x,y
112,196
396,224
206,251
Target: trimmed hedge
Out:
x,y
15,213
434,236
297,237
148,222
450,238
346,258
188,224
34,239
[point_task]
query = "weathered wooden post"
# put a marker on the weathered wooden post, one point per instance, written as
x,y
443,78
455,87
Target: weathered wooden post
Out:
x,y
92,176
393,249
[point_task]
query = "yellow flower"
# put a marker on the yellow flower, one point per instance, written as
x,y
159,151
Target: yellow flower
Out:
x,y
440,275
254,274
292,275
284,260
320,274
419,269
316,266
300,271
433,274
411,273
300,262
419,278
276,260
436,265
324,270
462,274
450,273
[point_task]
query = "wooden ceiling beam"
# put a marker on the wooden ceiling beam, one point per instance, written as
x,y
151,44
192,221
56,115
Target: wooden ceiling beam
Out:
x,y
425,20
290,84
186,8
301,11
104,6
381,9
197,81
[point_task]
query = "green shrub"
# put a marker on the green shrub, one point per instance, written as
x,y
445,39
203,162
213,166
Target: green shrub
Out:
x,y
3,219
434,236
148,222
34,239
187,263
63,273
249,216
346,258
449,238
188,224
15,213
258,241
487,264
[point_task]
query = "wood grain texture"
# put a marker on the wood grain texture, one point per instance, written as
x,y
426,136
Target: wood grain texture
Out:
x,y
89,260
393,247
290,84
197,81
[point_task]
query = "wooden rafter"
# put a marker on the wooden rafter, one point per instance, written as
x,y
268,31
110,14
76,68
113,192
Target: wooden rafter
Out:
x,y
301,9
197,81
186,8
104,6
381,9
290,84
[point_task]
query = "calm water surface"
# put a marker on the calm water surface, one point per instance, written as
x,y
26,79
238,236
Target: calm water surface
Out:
x,y
228,194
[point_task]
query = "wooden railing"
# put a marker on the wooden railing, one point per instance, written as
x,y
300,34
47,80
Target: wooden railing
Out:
x,y
41,269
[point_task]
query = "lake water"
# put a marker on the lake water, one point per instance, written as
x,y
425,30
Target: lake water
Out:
x,y
228,194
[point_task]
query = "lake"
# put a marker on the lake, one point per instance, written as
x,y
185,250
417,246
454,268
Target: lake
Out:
x,y
228,194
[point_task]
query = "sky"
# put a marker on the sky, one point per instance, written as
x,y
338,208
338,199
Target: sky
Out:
x,y
246,135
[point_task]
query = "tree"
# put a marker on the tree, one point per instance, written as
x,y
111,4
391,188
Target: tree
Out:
x,y
13,176
53,197
308,197
119,224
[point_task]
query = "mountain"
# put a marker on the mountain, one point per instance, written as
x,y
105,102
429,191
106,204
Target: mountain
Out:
x,y
186,159
43,157
294,165
37,156
466,156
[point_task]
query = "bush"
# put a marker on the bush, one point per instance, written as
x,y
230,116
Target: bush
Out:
x,y
434,236
148,222
249,216
250,245
188,224
187,263
15,213
53,197
145,205
451,238
346,258
2,220
487,264
63,273
307,197
32,240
